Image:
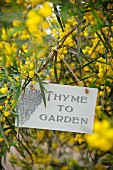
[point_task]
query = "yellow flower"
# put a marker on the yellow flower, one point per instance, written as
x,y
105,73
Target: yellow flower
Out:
x,y
40,134
101,93
46,10
45,24
12,101
6,102
31,74
7,131
4,90
27,63
33,82
4,34
8,49
1,45
85,33
99,107
17,79
72,1
34,2
86,68
33,20
31,65
16,23
1,107
102,138
108,108
79,138
100,75
8,63
6,114
8,1
1,139
19,1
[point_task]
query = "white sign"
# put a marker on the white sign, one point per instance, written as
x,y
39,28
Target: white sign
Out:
x,y
68,108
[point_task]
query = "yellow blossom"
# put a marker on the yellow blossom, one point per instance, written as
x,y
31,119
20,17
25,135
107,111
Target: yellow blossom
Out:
x,y
31,65
16,23
101,93
34,2
8,1
6,114
102,138
33,82
100,74
1,107
19,1
4,90
45,24
4,34
85,33
33,20
1,139
46,10
72,1
31,74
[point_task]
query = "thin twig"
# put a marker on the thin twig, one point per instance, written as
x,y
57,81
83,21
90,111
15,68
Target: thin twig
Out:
x,y
74,75
91,158
58,47
77,68
65,37
50,57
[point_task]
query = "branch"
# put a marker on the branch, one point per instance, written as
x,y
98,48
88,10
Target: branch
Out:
x,y
74,75
50,57
65,37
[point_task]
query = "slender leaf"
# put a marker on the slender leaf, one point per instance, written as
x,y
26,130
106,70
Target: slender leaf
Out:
x,y
2,132
42,91
16,96
97,27
55,69
58,17
102,41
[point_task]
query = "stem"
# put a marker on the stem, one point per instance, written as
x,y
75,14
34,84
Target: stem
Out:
x,y
65,37
51,55
78,68
74,75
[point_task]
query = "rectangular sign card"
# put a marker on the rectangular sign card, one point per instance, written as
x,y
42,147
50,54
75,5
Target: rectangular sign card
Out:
x,y
68,108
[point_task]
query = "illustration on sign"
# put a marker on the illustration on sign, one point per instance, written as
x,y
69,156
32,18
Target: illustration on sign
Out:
x,y
68,108
28,102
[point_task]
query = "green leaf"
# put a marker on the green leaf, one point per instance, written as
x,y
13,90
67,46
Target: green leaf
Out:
x,y
55,69
42,90
110,77
86,77
101,39
13,143
3,97
58,17
107,159
92,84
97,27
95,14
16,96
2,132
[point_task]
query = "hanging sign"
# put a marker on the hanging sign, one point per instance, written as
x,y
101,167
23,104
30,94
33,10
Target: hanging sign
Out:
x,y
68,108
